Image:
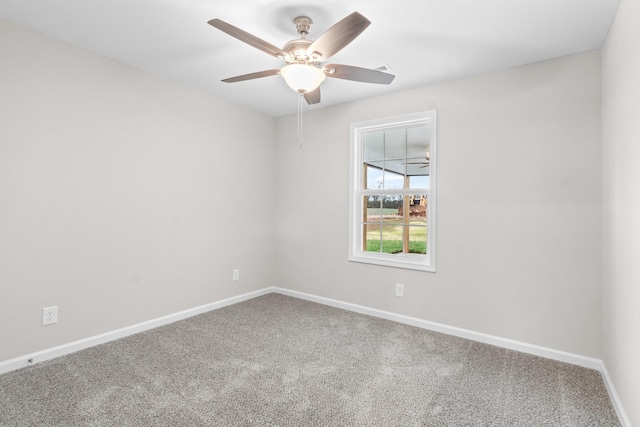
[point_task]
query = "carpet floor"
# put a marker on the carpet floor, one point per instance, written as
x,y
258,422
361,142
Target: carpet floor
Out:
x,y
281,361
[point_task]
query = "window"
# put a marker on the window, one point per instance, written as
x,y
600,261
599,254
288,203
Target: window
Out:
x,y
393,193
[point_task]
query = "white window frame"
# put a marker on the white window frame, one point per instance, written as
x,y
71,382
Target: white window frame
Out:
x,y
424,262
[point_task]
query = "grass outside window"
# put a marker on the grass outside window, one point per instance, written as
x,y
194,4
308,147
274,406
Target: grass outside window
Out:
x,y
390,241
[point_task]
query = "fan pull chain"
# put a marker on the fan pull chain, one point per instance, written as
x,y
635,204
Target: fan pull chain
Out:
x,y
299,136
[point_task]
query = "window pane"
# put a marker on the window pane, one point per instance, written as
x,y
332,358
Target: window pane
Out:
x,y
418,207
393,208
418,152
371,237
420,181
418,143
418,165
372,206
374,176
394,144
418,136
373,146
396,166
417,237
392,238
372,217
393,180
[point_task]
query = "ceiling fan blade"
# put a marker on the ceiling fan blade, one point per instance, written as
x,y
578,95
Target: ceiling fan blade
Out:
x,y
252,76
335,38
312,97
348,72
249,38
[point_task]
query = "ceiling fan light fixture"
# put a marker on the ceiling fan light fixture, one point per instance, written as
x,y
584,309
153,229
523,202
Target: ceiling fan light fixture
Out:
x,y
302,78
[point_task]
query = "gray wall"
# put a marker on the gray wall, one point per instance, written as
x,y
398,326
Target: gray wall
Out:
x,y
621,207
518,251
123,197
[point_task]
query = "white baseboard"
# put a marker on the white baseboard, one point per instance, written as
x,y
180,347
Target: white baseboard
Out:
x,y
615,399
41,356
72,347
549,353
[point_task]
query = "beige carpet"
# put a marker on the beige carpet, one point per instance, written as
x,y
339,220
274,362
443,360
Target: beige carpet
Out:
x,y
281,361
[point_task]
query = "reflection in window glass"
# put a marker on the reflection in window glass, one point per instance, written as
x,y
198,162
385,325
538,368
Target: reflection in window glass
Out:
x,y
373,146
395,144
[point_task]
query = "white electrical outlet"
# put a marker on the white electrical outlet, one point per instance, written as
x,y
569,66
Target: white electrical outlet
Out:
x,y
399,290
49,315
236,274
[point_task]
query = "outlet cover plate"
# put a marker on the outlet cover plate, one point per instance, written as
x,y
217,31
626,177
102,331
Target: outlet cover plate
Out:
x,y
49,315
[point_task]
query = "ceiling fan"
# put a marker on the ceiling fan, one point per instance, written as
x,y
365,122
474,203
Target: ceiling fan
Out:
x,y
305,70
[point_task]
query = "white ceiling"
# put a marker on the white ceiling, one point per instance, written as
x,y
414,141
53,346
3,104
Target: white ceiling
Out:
x,y
423,41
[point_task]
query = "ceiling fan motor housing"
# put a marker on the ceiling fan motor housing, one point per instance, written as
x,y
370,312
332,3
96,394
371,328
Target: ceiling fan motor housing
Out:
x,y
297,50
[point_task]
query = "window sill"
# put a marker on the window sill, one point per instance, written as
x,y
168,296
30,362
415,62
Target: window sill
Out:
x,y
406,261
